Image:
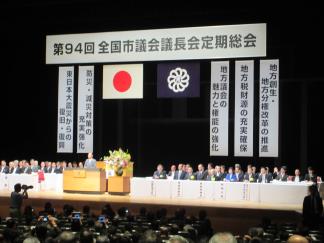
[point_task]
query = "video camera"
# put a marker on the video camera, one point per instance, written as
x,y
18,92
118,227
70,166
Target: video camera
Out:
x,y
25,187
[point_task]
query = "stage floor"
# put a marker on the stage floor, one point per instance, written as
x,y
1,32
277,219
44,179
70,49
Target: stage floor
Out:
x,y
236,217
126,199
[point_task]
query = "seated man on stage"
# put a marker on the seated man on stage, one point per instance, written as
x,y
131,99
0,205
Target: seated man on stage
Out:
x,y
311,175
297,177
201,174
282,176
263,176
249,176
172,171
219,176
159,173
180,174
190,175
90,162
4,168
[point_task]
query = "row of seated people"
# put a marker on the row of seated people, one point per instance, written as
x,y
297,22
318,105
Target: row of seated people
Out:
x,y
219,173
32,166
145,227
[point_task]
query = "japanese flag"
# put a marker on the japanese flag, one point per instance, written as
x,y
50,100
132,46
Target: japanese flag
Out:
x,y
123,81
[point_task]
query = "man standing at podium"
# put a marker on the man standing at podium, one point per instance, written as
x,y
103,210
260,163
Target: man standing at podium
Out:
x,y
90,162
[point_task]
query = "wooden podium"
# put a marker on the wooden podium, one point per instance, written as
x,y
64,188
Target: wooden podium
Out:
x,y
119,185
84,180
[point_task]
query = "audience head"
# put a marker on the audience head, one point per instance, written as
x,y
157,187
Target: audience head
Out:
x,y
17,187
86,237
224,237
313,191
149,236
102,239
297,239
41,230
31,240
178,239
67,237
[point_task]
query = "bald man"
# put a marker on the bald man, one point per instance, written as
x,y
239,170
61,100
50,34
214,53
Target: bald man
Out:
x,y
297,239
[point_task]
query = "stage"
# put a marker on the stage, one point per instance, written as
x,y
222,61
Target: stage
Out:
x,y
224,215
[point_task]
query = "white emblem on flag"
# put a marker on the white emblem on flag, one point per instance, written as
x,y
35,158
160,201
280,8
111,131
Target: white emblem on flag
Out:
x,y
178,80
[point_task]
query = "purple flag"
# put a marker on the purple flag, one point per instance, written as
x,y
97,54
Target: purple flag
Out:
x,y
178,80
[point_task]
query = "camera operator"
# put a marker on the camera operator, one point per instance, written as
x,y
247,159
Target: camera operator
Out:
x,y
16,200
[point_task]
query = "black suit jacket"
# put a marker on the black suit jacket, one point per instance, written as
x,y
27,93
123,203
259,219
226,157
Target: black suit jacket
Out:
x,y
268,178
27,170
5,170
201,176
301,178
158,175
240,176
58,170
191,177
247,178
282,177
312,178
182,175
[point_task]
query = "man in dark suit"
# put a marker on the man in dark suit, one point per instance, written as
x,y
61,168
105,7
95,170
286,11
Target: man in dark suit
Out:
x,y
15,169
180,174
249,176
239,173
4,168
201,174
34,165
312,208
219,176
311,175
297,177
282,176
27,169
52,168
263,176
190,175
58,169
159,173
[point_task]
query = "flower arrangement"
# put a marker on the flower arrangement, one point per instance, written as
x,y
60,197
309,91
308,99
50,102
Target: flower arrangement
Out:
x,y
118,160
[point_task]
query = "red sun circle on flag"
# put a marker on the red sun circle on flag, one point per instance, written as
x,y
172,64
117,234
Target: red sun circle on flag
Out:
x,y
122,81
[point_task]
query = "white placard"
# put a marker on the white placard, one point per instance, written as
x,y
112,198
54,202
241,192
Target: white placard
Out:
x,y
65,110
85,109
219,97
269,108
244,105
208,42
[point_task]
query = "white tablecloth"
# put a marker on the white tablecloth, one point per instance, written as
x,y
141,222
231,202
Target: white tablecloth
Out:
x,y
52,182
284,192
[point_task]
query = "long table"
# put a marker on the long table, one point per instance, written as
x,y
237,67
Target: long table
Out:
x,y
283,193
52,182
